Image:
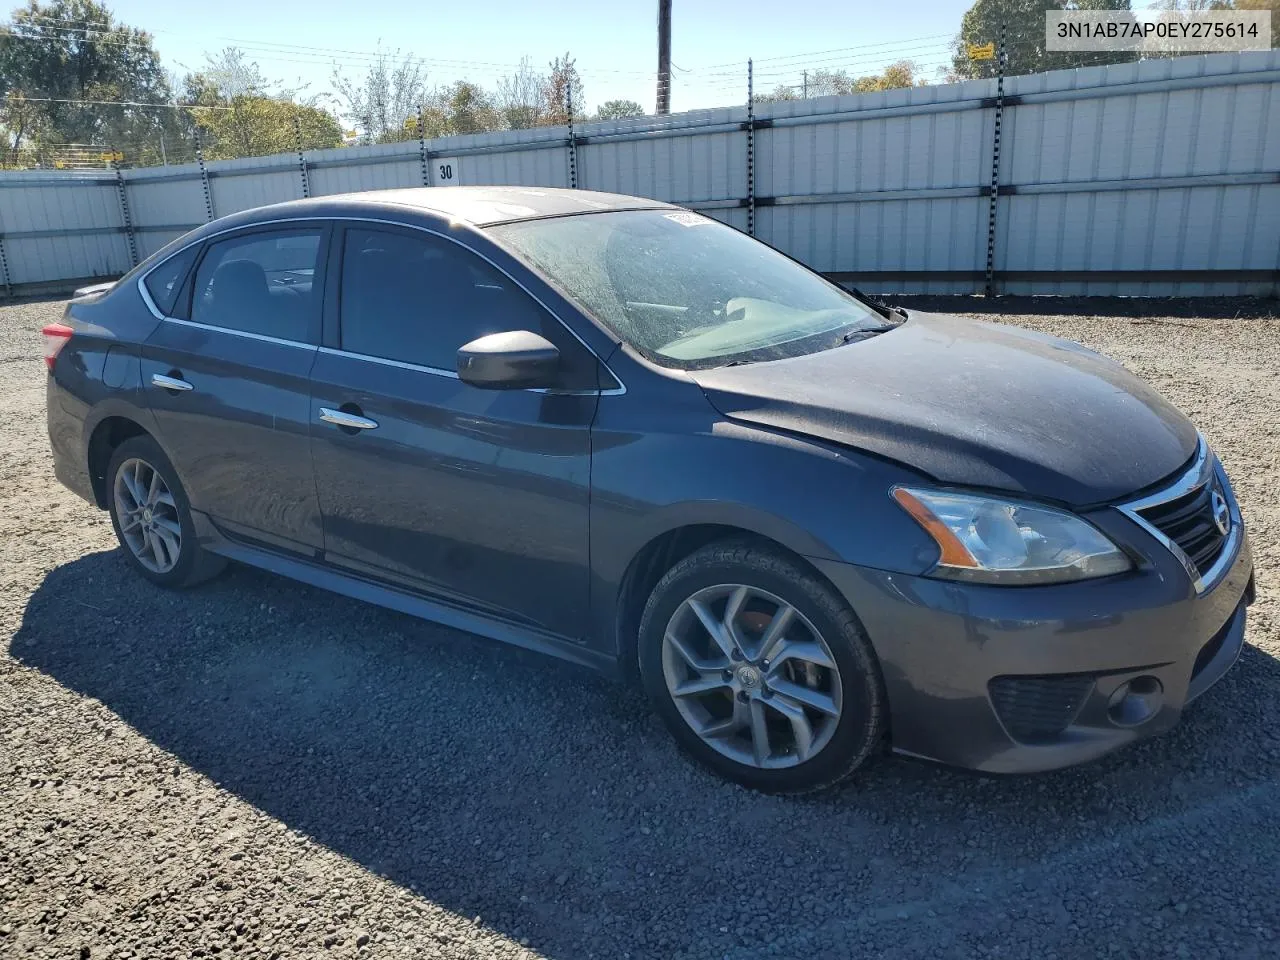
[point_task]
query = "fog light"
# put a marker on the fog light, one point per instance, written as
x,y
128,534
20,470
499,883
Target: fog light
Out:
x,y
1135,701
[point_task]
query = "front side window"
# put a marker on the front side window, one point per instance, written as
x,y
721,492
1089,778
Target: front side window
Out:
x,y
417,298
165,281
687,291
261,283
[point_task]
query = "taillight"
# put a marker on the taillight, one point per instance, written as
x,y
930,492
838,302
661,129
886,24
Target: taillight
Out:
x,y
56,336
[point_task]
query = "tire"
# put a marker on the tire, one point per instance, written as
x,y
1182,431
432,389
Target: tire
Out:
x,y
841,670
164,565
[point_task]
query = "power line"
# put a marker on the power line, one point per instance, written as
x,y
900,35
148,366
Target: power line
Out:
x,y
814,53
883,56
125,103
305,54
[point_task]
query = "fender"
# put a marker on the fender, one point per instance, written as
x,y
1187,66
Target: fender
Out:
x,y
812,498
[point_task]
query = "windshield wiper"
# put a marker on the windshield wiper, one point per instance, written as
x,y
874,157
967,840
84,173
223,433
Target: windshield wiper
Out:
x,y
878,305
865,332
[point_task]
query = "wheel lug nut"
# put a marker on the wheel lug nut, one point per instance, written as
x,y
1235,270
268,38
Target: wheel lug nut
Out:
x,y
727,674
743,696
736,655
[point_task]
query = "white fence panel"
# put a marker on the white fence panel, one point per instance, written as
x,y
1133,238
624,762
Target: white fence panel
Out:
x,y
164,203
35,211
254,182
1153,178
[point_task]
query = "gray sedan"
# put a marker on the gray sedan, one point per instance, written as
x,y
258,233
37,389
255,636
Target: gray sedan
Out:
x,y
610,429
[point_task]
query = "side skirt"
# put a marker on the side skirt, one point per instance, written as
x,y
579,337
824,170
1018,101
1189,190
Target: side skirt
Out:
x,y
358,588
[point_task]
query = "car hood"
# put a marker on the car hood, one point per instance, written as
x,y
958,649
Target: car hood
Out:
x,y
972,403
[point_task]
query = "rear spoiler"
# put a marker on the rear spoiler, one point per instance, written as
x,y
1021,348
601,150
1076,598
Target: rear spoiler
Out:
x,y
93,289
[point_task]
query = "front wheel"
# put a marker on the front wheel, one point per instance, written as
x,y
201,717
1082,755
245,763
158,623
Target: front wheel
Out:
x,y
760,670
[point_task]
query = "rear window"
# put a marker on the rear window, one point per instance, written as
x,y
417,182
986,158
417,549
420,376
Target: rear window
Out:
x,y
261,283
165,281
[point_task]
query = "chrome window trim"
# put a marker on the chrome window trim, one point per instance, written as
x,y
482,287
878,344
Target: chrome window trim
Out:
x,y
1204,468
617,391
240,333
142,286
452,374
146,294
401,364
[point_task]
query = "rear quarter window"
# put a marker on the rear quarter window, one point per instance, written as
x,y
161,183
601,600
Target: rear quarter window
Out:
x,y
165,282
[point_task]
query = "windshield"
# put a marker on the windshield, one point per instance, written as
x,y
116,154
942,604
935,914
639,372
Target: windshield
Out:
x,y
687,291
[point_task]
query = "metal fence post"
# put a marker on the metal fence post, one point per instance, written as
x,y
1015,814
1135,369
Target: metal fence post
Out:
x,y
302,159
995,169
124,210
204,177
4,268
422,146
573,142
751,152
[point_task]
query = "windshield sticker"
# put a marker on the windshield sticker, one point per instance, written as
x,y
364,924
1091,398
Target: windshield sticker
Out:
x,y
686,219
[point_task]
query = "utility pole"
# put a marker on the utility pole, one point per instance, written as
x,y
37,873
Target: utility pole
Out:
x,y
664,57
805,74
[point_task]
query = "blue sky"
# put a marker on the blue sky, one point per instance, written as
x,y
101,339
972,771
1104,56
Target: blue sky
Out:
x,y
614,43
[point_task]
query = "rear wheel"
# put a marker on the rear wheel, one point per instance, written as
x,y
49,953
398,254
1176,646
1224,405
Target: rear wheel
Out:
x,y
760,670
152,518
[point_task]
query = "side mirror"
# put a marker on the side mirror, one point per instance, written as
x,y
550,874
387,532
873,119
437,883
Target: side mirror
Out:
x,y
509,361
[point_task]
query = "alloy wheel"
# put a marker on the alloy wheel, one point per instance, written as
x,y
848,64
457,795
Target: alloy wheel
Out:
x,y
751,676
147,515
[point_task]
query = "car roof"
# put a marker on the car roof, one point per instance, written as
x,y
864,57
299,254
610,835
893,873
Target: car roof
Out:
x,y
482,206
475,206
485,205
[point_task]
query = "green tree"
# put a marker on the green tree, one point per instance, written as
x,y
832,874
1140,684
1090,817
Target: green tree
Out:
x,y
828,83
468,108
245,115
253,125
88,72
24,125
1024,25
619,110
1274,7
904,73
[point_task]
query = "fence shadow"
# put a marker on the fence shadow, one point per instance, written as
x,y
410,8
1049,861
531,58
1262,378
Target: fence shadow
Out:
x,y
497,783
1153,308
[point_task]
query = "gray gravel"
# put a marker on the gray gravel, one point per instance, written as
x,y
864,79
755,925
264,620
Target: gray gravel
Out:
x,y
260,769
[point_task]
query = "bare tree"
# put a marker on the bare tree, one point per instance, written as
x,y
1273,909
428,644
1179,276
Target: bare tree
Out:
x,y
389,95
520,97
228,72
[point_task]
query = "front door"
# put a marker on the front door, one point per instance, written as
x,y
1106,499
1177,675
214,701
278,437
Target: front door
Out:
x,y
228,379
478,497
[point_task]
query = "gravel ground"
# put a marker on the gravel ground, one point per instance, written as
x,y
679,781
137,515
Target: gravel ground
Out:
x,y
260,769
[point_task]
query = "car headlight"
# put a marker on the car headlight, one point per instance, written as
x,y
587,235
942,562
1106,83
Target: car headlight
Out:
x,y
990,540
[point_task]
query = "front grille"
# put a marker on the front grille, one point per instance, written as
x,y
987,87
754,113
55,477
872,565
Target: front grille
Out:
x,y
1036,709
1189,522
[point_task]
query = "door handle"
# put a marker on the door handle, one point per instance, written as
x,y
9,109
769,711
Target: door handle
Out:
x,y
170,383
350,421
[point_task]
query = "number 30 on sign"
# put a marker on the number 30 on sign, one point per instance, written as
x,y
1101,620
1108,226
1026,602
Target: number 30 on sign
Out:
x,y
444,171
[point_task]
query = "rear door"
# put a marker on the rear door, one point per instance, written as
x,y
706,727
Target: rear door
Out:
x,y
478,497
227,376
